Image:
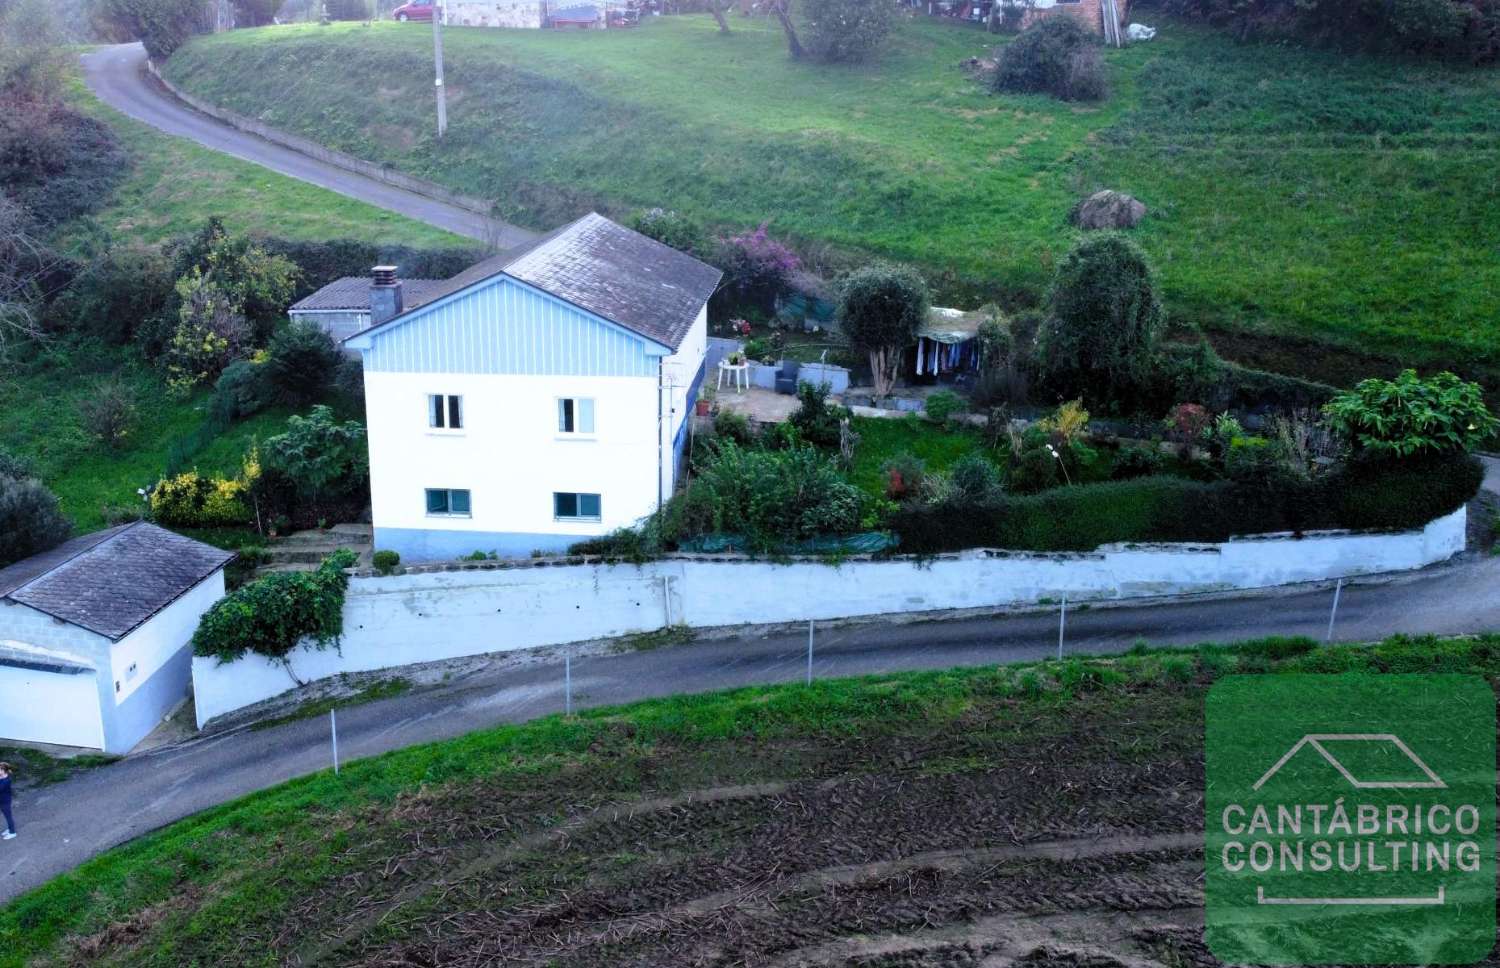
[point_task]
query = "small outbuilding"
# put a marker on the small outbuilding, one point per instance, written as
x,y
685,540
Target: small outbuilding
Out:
x,y
95,635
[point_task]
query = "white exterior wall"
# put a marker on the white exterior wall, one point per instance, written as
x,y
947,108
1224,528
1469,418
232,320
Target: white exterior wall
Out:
x,y
166,633
509,454
402,619
679,371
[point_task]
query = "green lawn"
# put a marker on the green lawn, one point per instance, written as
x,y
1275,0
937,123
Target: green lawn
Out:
x,y
1341,199
174,185
881,439
85,476
377,861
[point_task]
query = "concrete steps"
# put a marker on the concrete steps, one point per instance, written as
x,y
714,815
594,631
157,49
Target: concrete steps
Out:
x,y
305,550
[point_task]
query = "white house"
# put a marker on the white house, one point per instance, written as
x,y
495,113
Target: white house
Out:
x,y
94,635
538,398
354,303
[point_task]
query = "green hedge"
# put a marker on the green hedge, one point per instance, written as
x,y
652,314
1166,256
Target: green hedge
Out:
x,y
1360,496
270,615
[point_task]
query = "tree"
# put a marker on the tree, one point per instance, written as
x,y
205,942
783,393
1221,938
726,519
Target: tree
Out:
x,y
162,25
26,266
881,308
258,285
1410,416
846,30
1103,321
300,363
319,455
210,333
718,8
255,13
30,520
782,11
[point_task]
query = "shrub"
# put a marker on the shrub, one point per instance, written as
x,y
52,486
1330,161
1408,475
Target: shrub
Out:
x,y
1056,56
973,480
319,263
349,381
943,404
772,498
300,363
271,615
113,299
817,421
904,475
317,468
756,266
191,500
880,310
1187,422
1133,462
1401,495
1409,415
109,411
30,520
256,284
210,334
669,228
735,426
241,391
162,25
385,561
1104,320
845,30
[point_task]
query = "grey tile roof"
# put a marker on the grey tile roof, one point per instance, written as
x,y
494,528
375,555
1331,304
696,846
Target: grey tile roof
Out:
x,y
606,269
353,292
112,581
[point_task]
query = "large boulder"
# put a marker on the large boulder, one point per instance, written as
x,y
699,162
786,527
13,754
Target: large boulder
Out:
x,y
1108,210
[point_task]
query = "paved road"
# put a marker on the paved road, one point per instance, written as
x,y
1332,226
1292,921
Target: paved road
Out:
x,y
63,825
117,76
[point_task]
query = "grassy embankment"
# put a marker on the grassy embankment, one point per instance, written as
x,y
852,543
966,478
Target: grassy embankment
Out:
x,y
1296,195
741,822
171,188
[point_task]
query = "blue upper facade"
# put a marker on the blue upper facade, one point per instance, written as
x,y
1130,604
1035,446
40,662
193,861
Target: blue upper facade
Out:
x,y
503,326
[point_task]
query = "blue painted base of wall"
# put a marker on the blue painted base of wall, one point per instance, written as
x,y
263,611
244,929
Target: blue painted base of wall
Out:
x,y
128,723
417,545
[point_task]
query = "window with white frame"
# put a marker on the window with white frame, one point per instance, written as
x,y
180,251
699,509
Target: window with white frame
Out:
x,y
448,502
569,506
575,415
445,411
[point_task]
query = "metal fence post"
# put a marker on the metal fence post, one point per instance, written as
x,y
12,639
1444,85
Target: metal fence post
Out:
x,y
1334,612
1062,625
809,650
333,729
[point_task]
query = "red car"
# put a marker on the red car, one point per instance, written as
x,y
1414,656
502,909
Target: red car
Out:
x,y
417,10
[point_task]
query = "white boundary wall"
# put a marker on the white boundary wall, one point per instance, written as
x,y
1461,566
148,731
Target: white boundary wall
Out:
x,y
475,609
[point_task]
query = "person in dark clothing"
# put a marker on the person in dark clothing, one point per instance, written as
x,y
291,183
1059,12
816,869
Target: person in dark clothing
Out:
x,y
10,820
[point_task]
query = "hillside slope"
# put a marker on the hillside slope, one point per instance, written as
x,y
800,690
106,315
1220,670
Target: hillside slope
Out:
x,y
1347,200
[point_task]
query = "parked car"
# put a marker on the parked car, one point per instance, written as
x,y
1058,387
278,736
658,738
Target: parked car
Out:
x,y
417,10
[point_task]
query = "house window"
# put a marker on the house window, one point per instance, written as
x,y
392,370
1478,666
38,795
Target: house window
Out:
x,y
575,507
445,411
575,415
447,501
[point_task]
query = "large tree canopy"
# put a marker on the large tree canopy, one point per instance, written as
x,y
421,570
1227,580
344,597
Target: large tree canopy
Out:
x,y
881,308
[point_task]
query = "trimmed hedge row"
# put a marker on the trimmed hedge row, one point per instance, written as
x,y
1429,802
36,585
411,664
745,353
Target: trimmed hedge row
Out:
x,y
1394,497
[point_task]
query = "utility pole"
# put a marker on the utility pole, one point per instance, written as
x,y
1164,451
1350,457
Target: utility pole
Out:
x,y
437,59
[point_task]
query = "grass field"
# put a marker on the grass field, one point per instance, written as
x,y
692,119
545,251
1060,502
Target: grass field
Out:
x,y
174,185
1294,194
85,476
789,825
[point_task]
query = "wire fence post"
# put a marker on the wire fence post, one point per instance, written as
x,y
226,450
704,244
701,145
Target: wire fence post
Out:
x,y
809,650
1062,625
1333,613
568,684
333,730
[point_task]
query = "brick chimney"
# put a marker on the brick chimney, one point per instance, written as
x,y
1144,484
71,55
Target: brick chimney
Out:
x,y
386,298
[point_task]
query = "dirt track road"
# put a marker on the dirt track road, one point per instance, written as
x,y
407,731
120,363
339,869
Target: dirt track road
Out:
x,y
117,77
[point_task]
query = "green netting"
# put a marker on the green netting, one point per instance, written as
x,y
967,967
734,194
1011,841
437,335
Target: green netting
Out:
x,y
865,543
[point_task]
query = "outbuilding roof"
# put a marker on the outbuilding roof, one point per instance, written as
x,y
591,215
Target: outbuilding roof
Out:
x,y
112,581
615,273
353,293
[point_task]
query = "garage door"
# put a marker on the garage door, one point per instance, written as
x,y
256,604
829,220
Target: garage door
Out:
x,y
42,706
